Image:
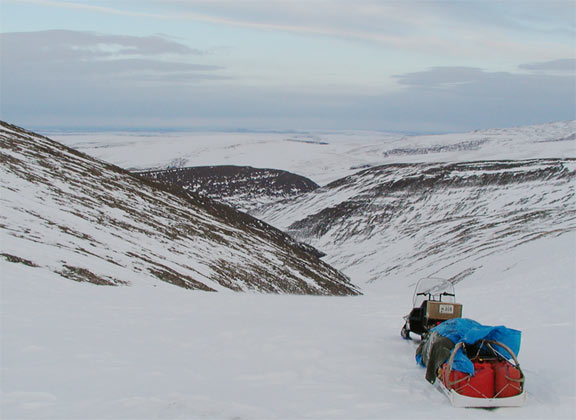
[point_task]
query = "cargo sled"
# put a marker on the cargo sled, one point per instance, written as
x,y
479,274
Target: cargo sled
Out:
x,y
434,302
497,381
473,364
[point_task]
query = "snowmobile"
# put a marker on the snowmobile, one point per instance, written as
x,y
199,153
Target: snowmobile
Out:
x,y
433,303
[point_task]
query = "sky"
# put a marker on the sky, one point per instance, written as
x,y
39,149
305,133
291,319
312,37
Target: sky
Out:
x,y
390,65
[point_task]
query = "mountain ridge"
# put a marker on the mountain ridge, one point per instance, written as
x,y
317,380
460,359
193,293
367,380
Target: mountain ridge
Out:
x,y
433,219
91,221
344,153
242,187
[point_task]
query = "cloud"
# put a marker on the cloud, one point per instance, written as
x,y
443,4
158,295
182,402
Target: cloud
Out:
x,y
64,75
49,56
440,77
458,28
468,97
471,80
560,65
441,99
66,78
75,44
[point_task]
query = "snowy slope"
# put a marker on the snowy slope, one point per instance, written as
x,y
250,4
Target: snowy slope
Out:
x,y
90,221
241,187
77,351
392,221
159,353
371,234
322,156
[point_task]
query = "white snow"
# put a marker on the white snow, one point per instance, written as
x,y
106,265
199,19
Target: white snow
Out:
x,y
155,351
443,230
72,215
79,351
331,156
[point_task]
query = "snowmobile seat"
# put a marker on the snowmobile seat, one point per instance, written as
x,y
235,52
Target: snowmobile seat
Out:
x,y
416,319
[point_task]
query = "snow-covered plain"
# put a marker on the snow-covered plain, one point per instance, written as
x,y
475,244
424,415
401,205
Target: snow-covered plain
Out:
x,y
322,156
79,351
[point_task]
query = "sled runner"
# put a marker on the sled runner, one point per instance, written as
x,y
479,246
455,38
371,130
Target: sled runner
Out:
x,y
473,364
433,303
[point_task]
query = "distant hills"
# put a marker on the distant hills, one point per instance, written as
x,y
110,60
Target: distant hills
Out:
x,y
415,220
405,208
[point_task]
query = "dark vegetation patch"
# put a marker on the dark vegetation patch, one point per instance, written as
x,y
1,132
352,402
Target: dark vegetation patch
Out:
x,y
462,146
171,276
81,275
15,259
570,137
228,183
254,277
308,140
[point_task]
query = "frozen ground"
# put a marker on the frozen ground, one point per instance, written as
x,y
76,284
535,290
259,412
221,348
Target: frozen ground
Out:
x,y
79,351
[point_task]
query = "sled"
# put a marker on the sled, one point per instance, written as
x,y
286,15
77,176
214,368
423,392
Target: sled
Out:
x,y
497,382
433,303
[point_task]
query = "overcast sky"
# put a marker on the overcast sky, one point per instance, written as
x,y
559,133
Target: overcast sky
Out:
x,y
397,65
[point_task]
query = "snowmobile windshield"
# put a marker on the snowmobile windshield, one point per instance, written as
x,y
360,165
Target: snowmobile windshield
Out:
x,y
433,289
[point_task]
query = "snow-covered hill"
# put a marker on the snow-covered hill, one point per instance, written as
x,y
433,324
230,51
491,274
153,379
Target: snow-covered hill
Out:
x,y
395,221
87,220
241,187
451,205
322,156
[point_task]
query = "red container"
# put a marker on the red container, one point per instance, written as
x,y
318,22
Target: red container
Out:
x,y
481,385
506,380
456,377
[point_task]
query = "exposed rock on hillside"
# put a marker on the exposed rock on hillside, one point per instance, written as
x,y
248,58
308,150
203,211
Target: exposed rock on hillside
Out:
x,y
432,218
242,187
91,221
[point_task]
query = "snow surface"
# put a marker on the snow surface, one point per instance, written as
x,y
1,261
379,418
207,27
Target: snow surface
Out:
x,y
79,351
441,220
83,218
155,351
322,156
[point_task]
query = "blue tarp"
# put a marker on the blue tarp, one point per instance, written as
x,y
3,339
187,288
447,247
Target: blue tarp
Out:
x,y
469,331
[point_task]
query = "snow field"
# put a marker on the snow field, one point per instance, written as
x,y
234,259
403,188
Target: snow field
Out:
x,y
155,351
329,156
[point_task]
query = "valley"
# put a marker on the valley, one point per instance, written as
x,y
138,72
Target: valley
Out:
x,y
494,211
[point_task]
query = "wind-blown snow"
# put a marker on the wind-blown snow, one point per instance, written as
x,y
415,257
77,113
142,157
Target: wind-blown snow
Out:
x,y
387,222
